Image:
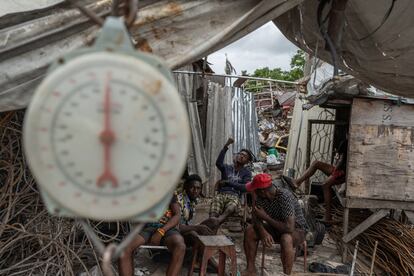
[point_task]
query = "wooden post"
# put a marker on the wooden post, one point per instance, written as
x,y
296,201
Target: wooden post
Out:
x,y
345,231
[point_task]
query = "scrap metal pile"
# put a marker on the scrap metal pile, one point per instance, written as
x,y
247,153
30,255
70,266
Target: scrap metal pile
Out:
x,y
31,241
394,253
274,112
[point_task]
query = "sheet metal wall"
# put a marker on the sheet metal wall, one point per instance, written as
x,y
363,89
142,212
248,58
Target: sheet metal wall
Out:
x,y
231,113
197,162
245,128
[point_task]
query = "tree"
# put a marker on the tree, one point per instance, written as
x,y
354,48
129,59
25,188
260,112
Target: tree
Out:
x,y
297,64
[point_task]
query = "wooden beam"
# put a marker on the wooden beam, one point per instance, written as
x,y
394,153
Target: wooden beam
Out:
x,y
378,203
409,215
365,224
340,198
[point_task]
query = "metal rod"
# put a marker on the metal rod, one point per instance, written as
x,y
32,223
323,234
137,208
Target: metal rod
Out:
x,y
107,260
351,273
131,236
235,76
132,12
373,258
112,251
93,16
100,247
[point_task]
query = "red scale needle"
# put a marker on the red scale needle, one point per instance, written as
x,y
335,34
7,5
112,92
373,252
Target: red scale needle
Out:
x,y
107,137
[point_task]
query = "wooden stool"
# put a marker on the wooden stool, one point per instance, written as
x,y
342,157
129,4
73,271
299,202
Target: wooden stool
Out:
x,y
208,246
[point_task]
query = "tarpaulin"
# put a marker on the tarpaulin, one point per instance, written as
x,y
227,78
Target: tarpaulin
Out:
x,y
180,31
377,43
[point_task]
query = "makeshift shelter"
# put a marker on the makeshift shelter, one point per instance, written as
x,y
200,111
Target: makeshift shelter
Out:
x,y
375,48
380,152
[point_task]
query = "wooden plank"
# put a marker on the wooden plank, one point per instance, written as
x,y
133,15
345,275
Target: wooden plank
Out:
x,y
378,203
365,224
382,112
215,241
409,215
381,151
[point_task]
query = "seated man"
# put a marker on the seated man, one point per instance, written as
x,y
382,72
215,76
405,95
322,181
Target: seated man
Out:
x,y
233,182
336,176
160,233
188,200
277,217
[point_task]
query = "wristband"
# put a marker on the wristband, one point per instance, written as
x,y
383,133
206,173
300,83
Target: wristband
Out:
x,y
161,232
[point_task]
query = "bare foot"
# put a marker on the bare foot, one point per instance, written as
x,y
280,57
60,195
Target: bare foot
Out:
x,y
212,223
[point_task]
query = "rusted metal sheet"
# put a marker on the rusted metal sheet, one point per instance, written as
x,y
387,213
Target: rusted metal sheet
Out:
x,y
180,31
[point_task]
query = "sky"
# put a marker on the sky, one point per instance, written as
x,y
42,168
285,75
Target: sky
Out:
x,y
264,47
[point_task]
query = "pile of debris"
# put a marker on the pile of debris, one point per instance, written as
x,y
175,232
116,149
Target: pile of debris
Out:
x,y
274,125
32,241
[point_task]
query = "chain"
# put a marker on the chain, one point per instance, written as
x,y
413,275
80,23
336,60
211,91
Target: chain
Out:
x,y
130,11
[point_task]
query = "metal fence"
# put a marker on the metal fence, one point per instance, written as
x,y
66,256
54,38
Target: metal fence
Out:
x,y
231,112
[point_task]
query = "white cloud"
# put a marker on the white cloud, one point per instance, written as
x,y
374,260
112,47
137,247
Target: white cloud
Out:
x,y
264,47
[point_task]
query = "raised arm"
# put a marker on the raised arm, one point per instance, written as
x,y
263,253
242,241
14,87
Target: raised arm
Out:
x,y
220,158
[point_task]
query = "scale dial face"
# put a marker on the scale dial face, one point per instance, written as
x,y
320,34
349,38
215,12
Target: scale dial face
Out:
x,y
106,136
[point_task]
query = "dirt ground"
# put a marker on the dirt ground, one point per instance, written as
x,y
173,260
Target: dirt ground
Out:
x,y
149,264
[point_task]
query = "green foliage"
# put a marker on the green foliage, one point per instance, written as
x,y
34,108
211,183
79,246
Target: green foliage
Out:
x,y
297,64
298,60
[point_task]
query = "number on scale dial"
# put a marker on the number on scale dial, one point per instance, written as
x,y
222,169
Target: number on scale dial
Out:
x,y
103,132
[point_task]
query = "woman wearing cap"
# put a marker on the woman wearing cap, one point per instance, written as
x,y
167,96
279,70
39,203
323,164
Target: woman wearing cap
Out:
x,y
277,218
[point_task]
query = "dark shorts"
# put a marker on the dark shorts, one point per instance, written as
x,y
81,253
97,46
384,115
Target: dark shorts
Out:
x,y
338,176
150,228
298,236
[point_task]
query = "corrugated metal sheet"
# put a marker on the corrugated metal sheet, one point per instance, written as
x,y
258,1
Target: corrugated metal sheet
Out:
x,y
197,162
287,98
245,128
219,128
231,113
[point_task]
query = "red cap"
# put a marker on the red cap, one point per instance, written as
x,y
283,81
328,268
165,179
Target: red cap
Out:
x,y
260,181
